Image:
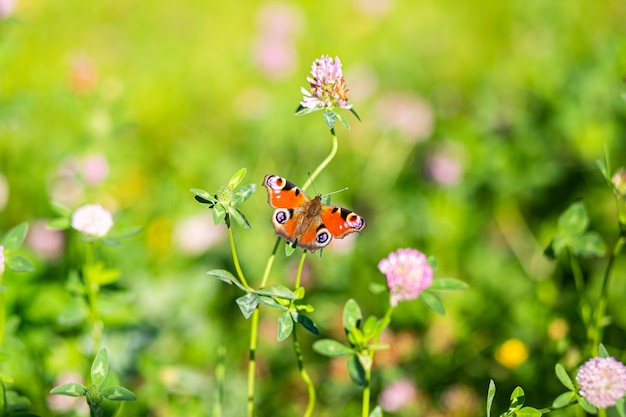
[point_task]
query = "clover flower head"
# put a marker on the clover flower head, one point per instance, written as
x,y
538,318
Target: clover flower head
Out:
x,y
92,220
602,381
327,86
408,274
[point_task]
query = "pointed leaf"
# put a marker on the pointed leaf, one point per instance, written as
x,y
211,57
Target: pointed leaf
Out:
x,y
564,377
279,291
239,217
377,412
203,196
247,304
301,110
332,348
60,210
226,276
14,238
115,393
586,405
448,284
329,118
377,288
528,412
60,223
71,390
307,323
285,326
432,302
602,352
589,244
603,169
18,263
564,399
270,302
219,214
619,405
290,248
342,120
491,393
352,315
369,327
356,371
574,220
517,399
242,194
100,368
237,178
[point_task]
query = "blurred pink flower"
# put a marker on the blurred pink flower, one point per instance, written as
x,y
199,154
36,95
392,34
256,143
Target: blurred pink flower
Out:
x,y
602,381
1,260
83,74
619,182
196,234
444,166
375,8
275,49
95,168
397,395
92,220
408,274
327,85
363,81
4,192
410,115
6,8
46,243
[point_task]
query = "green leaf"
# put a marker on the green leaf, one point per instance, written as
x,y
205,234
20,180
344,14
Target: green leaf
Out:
x,y
126,233
432,261
239,217
603,169
100,368
14,238
564,399
203,196
270,302
307,323
564,377
227,277
369,327
589,244
586,405
247,304
71,390
290,248
115,393
352,315
60,210
356,371
377,288
329,118
242,194
332,348
18,263
237,178
448,284
377,412
285,326
355,113
342,120
491,393
301,110
574,220
517,399
279,291
602,352
619,405
528,412
432,301
219,214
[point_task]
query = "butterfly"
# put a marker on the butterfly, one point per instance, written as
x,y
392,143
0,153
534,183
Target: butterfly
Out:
x,y
307,222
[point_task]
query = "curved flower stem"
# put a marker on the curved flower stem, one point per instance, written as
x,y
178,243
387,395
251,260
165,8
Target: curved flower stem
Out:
x,y
300,268
599,313
233,250
325,162
92,297
384,322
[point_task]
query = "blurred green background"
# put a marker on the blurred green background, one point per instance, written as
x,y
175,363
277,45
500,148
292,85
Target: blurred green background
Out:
x,y
481,122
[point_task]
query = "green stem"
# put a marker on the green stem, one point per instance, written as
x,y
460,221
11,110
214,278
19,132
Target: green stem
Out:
x,y
368,369
92,297
325,162
254,326
300,268
233,250
304,375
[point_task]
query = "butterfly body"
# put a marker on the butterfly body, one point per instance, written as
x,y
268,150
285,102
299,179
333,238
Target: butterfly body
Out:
x,y
304,221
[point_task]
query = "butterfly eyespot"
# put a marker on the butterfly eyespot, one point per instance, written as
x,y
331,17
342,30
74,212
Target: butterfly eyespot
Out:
x,y
354,220
281,216
322,237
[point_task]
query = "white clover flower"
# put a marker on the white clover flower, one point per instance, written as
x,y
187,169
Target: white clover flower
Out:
x,y
602,381
92,220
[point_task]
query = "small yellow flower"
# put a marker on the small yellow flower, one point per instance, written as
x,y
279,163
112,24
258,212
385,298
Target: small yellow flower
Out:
x,y
512,353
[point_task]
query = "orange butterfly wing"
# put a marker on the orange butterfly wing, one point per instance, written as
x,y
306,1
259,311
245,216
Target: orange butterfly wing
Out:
x,y
341,222
284,194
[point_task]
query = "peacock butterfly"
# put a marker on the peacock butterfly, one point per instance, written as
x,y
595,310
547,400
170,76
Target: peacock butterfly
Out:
x,y
307,222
